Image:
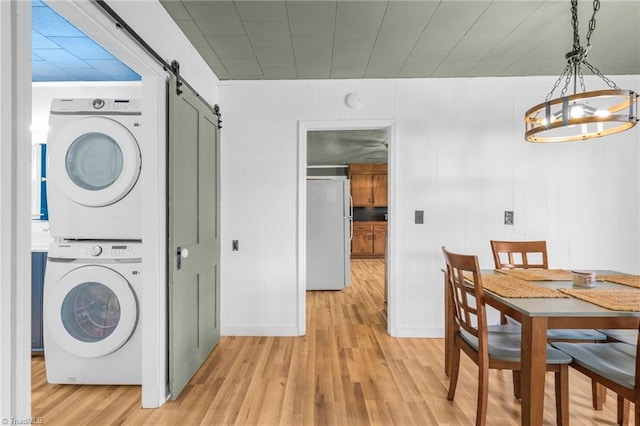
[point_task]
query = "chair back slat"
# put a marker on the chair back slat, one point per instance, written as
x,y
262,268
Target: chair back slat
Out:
x,y
520,254
465,287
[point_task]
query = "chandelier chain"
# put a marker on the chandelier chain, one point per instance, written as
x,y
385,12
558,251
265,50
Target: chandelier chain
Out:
x,y
592,22
566,72
574,24
597,72
578,55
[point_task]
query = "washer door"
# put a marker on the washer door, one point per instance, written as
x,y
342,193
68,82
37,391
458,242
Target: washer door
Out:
x,y
94,161
91,311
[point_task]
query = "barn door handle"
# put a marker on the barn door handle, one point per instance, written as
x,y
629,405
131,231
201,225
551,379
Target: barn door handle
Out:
x,y
181,252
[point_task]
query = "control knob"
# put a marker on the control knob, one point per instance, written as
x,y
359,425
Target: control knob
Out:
x,y
96,251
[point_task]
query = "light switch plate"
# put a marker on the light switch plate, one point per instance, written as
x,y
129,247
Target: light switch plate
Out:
x,y
508,217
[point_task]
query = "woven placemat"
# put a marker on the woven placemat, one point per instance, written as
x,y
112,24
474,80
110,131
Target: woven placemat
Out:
x,y
507,286
616,300
538,274
630,280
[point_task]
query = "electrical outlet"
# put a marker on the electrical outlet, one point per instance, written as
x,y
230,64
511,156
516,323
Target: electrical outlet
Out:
x,y
419,217
508,217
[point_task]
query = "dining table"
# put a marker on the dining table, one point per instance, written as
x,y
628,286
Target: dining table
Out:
x,y
539,314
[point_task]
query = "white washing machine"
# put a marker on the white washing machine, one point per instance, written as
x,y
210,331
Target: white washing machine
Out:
x,y
91,313
93,168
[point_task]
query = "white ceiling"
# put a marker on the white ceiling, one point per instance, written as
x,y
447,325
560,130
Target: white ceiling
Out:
x,y
327,39
267,39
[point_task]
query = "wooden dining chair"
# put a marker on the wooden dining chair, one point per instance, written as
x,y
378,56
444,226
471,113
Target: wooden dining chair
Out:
x,y
520,254
533,255
614,365
487,349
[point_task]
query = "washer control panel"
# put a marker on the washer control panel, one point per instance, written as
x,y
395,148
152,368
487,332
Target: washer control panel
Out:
x,y
95,250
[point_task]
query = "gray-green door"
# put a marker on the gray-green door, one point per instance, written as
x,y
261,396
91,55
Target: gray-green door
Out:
x,y
194,235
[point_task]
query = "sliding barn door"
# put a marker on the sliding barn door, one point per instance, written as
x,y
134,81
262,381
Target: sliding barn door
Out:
x,y
194,235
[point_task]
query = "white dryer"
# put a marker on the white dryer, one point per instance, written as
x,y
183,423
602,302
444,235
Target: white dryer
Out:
x,y
93,168
91,313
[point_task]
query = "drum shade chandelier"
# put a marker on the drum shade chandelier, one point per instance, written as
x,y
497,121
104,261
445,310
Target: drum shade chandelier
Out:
x,y
583,115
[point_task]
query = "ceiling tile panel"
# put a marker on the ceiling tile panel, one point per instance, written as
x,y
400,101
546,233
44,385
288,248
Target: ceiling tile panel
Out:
x,y
268,34
279,73
115,69
406,18
237,46
312,46
247,67
45,71
345,57
312,18
38,41
82,47
88,74
49,23
275,57
348,72
313,67
60,58
501,17
216,18
383,69
356,34
392,47
262,11
361,11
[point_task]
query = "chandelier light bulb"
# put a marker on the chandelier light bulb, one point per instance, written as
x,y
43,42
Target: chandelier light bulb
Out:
x,y
577,111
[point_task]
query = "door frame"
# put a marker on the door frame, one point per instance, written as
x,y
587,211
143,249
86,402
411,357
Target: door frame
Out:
x,y
303,128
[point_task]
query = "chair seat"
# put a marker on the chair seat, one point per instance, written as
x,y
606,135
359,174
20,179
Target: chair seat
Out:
x,y
614,361
567,334
506,347
504,328
625,336
575,334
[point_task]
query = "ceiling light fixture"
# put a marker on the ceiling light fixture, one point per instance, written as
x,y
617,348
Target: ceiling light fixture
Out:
x,y
583,115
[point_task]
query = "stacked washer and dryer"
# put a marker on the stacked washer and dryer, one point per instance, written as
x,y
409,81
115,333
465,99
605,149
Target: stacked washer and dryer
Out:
x,y
93,282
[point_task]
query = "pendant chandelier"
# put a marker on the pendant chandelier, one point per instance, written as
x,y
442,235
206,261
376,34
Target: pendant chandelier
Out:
x,y
582,115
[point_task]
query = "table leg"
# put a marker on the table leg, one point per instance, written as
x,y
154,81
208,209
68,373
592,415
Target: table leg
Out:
x,y
534,361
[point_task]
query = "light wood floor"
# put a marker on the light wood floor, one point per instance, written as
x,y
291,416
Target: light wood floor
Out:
x,y
346,371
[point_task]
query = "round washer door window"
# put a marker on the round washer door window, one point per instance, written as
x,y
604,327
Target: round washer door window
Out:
x,y
92,311
94,161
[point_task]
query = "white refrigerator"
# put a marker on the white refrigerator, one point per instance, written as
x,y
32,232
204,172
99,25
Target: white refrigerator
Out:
x,y
329,233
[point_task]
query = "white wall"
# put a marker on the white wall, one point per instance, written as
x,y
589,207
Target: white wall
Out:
x,y
462,159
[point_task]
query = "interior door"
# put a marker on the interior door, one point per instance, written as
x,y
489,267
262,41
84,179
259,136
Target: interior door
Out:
x,y
194,235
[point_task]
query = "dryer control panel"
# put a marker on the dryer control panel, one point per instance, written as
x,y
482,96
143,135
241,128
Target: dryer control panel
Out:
x,y
95,250
88,106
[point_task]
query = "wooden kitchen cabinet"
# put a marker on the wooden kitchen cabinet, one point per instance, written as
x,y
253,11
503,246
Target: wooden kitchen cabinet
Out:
x,y
369,184
369,240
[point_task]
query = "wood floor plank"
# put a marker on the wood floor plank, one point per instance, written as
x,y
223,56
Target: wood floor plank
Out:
x,y
347,370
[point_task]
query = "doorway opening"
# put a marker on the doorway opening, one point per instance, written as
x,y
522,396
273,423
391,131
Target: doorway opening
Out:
x,y
360,153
